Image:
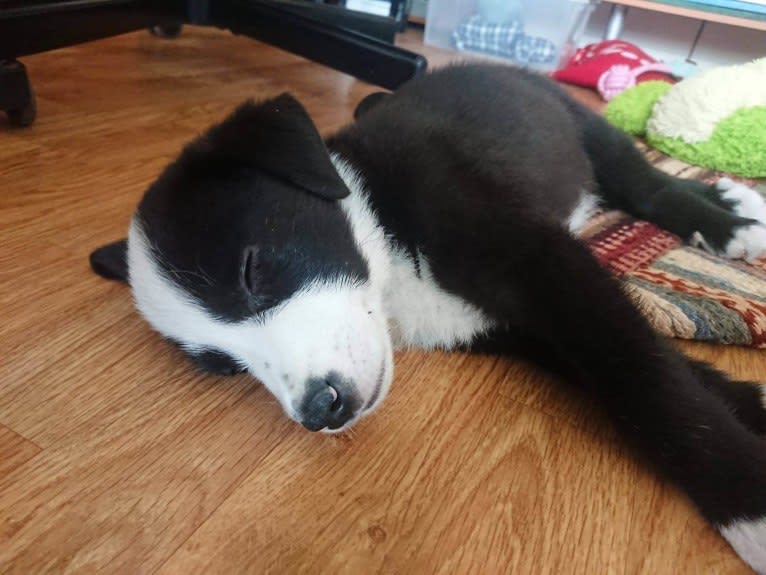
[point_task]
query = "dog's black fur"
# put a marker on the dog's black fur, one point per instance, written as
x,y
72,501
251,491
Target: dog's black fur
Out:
x,y
473,168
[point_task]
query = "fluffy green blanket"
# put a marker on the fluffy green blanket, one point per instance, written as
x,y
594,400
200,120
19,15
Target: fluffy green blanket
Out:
x,y
704,120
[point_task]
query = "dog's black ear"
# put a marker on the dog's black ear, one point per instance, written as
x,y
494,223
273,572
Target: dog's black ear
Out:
x,y
368,103
278,137
110,261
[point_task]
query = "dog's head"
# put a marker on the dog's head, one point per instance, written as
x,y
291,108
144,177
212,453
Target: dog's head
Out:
x,y
249,253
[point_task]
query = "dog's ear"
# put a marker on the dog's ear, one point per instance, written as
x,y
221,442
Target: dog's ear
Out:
x,y
368,103
110,261
278,137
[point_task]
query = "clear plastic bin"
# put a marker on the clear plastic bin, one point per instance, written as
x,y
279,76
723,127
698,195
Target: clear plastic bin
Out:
x,y
540,34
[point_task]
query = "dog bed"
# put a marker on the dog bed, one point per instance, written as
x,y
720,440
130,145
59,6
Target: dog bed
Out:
x,y
715,118
685,292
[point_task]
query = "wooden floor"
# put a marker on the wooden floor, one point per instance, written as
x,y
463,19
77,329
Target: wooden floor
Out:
x,y
116,457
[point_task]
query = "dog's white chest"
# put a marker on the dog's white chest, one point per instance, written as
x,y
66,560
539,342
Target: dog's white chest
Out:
x,y
419,312
422,314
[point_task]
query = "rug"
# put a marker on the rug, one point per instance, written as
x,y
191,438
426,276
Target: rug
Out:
x,y
683,291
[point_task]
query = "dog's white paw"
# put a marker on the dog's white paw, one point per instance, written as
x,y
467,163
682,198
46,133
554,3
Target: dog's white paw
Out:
x,y
748,243
747,203
748,538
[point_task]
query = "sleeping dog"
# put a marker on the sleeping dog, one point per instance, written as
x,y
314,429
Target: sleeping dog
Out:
x,y
444,217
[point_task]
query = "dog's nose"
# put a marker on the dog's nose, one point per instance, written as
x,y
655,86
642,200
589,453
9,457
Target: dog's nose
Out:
x,y
329,402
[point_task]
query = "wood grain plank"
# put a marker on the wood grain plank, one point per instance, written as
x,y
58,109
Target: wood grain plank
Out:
x,y
125,488
485,486
14,450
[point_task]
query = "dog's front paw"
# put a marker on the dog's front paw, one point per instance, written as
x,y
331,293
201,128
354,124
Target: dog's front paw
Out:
x,y
748,538
747,242
744,201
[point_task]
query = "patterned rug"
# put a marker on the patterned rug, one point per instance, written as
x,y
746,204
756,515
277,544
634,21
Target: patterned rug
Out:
x,y
683,291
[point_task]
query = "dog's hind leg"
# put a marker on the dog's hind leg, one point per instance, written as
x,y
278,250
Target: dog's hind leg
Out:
x,y
746,400
671,410
727,218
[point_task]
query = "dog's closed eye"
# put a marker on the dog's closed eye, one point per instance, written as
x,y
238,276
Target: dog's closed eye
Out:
x,y
249,268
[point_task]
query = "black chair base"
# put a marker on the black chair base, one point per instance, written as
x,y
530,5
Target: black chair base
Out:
x,y
357,44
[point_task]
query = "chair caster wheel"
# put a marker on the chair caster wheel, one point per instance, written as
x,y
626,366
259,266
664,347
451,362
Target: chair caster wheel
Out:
x,y
23,117
166,30
17,99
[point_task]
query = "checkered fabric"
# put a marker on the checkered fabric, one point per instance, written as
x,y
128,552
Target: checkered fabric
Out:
x,y
504,40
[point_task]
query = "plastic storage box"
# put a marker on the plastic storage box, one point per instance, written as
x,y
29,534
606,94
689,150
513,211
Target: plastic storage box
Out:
x,y
540,34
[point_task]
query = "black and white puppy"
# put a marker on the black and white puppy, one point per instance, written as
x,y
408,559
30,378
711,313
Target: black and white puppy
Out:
x,y
444,217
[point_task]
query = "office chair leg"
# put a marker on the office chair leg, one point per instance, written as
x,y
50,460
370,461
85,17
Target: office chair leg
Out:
x,y
166,30
17,99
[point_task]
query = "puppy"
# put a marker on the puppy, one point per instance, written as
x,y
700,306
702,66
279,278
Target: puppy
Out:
x,y
444,217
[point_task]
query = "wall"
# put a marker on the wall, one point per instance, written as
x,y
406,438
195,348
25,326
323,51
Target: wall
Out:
x,y
669,37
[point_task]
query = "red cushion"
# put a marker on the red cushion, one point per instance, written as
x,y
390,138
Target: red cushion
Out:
x,y
589,63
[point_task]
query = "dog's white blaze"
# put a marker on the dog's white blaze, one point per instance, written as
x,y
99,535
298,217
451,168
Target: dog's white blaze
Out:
x,y
420,312
324,328
368,234
748,538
